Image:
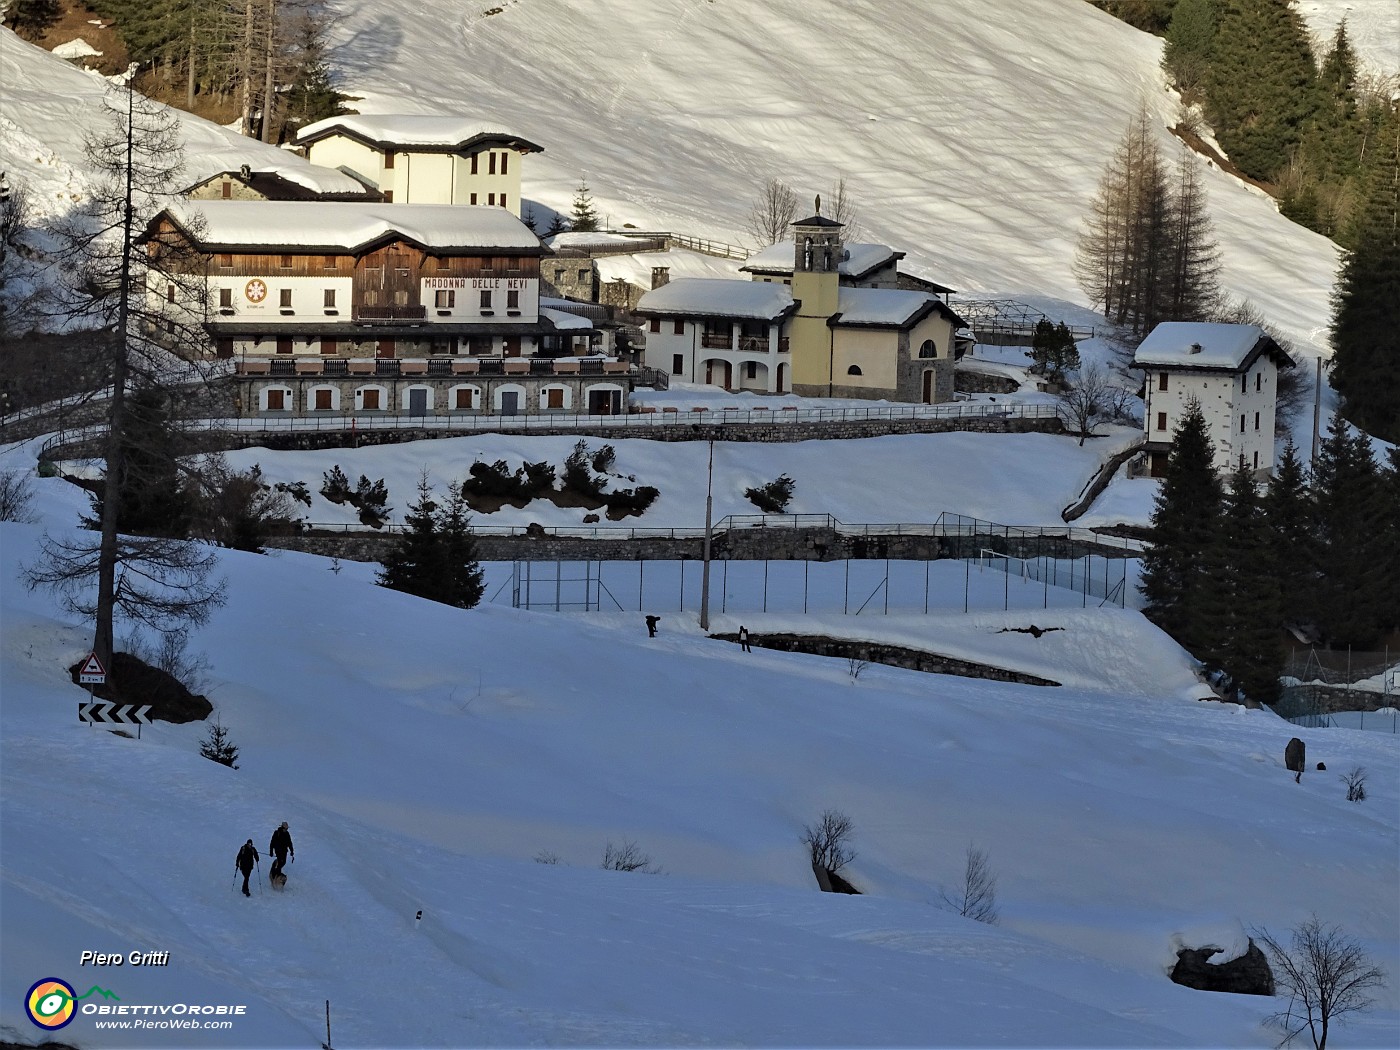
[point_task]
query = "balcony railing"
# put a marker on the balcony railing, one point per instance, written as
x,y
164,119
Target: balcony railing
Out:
x,y
716,342
383,314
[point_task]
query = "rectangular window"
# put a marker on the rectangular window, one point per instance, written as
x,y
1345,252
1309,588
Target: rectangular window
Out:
x,y
371,296
444,263
505,163
284,344
1244,384
328,346
491,199
169,293
513,300
556,397
1256,459
284,261
388,196
225,298
1256,421
284,298
655,325
558,275
401,297
1161,380
463,398
491,165
585,277
276,400
328,262
323,400
1258,380
679,327
481,344
369,399
389,157
328,298
225,260
445,299
677,364
753,369
473,199
224,348
1241,422
474,156
1161,421
486,298
226,190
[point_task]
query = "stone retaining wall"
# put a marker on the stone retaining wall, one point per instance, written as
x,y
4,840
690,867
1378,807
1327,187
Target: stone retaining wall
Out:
x,y
880,653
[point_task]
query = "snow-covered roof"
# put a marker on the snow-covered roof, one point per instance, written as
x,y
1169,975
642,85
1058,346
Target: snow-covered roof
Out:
x,y
563,320
718,298
314,179
425,130
1192,344
350,226
886,307
860,259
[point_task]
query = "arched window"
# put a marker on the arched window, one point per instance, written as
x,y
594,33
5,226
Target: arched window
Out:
x,y
928,349
854,370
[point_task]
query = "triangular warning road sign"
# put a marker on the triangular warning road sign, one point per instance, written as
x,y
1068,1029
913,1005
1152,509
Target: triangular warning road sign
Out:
x,y
92,665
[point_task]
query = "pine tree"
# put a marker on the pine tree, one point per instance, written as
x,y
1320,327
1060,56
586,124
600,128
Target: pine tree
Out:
x,y
465,582
1390,540
152,497
415,564
585,217
1190,41
1366,300
1244,592
30,18
1262,84
1175,566
1290,520
1352,534
436,559
1053,351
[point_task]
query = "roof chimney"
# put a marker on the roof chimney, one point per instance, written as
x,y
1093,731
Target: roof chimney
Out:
x,y
660,275
1195,348
245,171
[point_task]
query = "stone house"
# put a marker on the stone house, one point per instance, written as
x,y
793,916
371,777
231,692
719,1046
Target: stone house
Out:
x,y
1231,371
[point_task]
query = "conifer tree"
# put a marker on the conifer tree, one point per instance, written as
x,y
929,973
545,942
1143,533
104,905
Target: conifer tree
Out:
x,y
464,583
1193,260
1291,525
1366,300
1243,595
584,218
1262,84
1175,566
415,564
1353,536
1190,41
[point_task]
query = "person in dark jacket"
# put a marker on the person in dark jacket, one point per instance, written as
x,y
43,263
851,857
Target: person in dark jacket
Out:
x,y
247,857
279,847
652,621
744,639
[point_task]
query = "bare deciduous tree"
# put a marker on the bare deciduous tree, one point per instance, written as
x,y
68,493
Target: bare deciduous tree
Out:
x,y
627,857
1356,784
772,213
976,898
842,208
1081,406
855,666
16,493
1326,975
828,841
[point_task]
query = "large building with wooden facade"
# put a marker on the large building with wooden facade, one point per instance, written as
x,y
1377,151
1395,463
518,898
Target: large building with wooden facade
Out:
x,y
417,310
415,158
818,325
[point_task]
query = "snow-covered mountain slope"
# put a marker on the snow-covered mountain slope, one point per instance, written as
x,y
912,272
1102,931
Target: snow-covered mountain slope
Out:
x,y
972,132
424,756
1373,26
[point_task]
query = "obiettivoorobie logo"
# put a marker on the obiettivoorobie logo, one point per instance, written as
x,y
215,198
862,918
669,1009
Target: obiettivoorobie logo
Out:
x,y
52,1003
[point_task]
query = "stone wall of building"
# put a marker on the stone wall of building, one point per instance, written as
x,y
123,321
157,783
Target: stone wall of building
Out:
x,y
970,382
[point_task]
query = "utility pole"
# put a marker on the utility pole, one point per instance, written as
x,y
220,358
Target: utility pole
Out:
x,y
705,571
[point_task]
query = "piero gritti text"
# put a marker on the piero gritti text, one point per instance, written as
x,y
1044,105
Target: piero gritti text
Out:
x,y
90,958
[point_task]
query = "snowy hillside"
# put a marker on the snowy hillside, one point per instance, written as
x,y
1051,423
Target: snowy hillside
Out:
x,y
424,756
972,133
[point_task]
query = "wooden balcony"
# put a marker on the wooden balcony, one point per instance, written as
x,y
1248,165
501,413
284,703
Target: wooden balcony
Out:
x,y
388,314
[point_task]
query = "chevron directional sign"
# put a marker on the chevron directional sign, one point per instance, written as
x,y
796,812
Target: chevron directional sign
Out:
x,y
104,712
